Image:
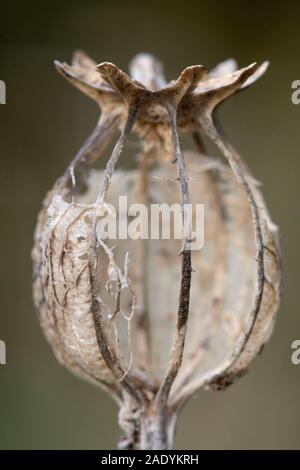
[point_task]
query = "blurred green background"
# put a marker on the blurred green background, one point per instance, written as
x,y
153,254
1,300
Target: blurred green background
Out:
x,y
43,123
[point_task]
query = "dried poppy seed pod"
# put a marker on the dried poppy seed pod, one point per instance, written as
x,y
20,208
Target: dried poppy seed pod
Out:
x,y
132,316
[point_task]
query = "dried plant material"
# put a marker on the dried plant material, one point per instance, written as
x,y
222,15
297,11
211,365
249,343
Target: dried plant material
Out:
x,y
125,313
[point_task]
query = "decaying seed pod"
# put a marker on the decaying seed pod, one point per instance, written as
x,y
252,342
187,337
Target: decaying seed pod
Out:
x,y
132,316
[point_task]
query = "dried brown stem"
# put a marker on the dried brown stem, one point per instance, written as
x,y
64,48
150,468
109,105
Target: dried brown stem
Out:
x,y
240,172
207,124
195,357
184,297
112,162
89,151
107,349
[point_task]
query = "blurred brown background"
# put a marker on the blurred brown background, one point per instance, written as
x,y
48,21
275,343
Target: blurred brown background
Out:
x,y
43,123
